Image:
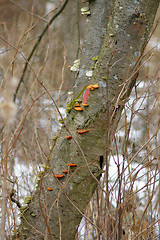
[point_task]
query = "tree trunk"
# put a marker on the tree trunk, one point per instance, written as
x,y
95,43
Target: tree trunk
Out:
x,y
57,214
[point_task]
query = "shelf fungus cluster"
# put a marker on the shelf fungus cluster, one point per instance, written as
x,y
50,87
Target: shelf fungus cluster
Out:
x,y
78,106
80,131
59,176
92,87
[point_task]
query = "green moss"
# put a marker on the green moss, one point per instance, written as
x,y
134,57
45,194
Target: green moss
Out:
x,y
74,101
54,138
39,174
45,167
38,181
27,200
95,58
23,208
33,214
62,121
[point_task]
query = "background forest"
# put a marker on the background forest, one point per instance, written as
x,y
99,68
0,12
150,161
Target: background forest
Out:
x,y
29,121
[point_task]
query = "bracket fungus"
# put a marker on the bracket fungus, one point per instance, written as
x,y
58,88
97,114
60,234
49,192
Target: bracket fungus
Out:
x,y
93,86
58,176
85,11
89,73
65,171
89,86
81,131
68,137
75,66
85,105
78,109
72,164
77,105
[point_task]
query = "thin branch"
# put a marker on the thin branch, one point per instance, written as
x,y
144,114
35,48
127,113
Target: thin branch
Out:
x,y
30,13
35,47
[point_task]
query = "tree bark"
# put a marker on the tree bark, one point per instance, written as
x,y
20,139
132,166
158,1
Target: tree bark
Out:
x,y
57,214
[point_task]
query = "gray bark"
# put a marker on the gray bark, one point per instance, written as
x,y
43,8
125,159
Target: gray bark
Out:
x,y
57,214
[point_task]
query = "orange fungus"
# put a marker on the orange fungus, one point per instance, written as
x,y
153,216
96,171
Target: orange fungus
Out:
x,y
96,85
72,164
65,171
93,86
58,176
85,104
77,105
78,108
81,131
90,86
68,137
